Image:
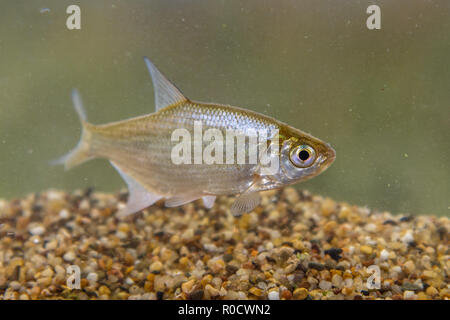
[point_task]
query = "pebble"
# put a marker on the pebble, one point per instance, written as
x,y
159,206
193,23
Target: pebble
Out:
x,y
156,266
330,226
408,237
186,287
337,281
409,266
300,294
196,295
69,256
316,265
432,291
37,230
408,286
15,285
64,214
384,255
366,250
325,285
92,277
407,295
274,295
334,253
256,291
213,292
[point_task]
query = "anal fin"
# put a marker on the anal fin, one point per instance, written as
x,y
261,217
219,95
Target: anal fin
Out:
x,y
208,201
139,198
180,200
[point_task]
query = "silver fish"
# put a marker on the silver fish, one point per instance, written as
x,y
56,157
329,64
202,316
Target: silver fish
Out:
x,y
141,150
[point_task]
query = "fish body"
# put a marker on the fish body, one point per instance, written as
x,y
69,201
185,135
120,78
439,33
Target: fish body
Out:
x,y
142,150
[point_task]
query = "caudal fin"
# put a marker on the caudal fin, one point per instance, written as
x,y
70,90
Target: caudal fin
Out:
x,y
81,152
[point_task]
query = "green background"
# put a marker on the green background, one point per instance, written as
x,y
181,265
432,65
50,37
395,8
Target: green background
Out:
x,y
381,97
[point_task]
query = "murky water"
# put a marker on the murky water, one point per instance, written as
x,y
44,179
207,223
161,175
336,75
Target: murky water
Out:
x,y
380,97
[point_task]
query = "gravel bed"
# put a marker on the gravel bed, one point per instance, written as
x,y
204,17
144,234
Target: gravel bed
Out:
x,y
294,246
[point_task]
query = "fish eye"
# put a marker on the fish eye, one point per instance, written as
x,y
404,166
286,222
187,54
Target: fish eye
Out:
x,y
303,156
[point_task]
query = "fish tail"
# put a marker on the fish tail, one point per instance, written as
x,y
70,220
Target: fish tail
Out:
x,y
81,152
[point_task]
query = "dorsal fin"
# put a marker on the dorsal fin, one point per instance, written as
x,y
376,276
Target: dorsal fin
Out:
x,y
166,93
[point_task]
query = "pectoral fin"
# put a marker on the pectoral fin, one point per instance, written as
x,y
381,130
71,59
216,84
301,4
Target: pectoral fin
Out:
x,y
139,197
246,202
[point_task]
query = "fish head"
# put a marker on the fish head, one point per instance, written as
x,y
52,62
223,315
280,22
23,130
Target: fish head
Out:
x,y
301,156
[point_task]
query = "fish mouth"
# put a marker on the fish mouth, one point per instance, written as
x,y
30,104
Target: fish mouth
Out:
x,y
331,154
329,157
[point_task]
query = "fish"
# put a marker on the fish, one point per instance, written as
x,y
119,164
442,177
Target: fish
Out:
x,y
141,149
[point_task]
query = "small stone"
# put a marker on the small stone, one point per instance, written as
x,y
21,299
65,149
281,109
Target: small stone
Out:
x,y
429,274
432,291
406,218
256,291
104,290
371,227
44,282
15,285
366,250
330,226
51,245
92,277
69,256
213,292
188,234
227,257
274,295
286,294
231,269
408,286
337,281
196,295
216,265
325,285
407,295
422,296
35,291
64,214
384,255
300,294
408,237
347,291
328,207
37,230
334,253
48,272
156,266
291,195
409,266
186,287
316,265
